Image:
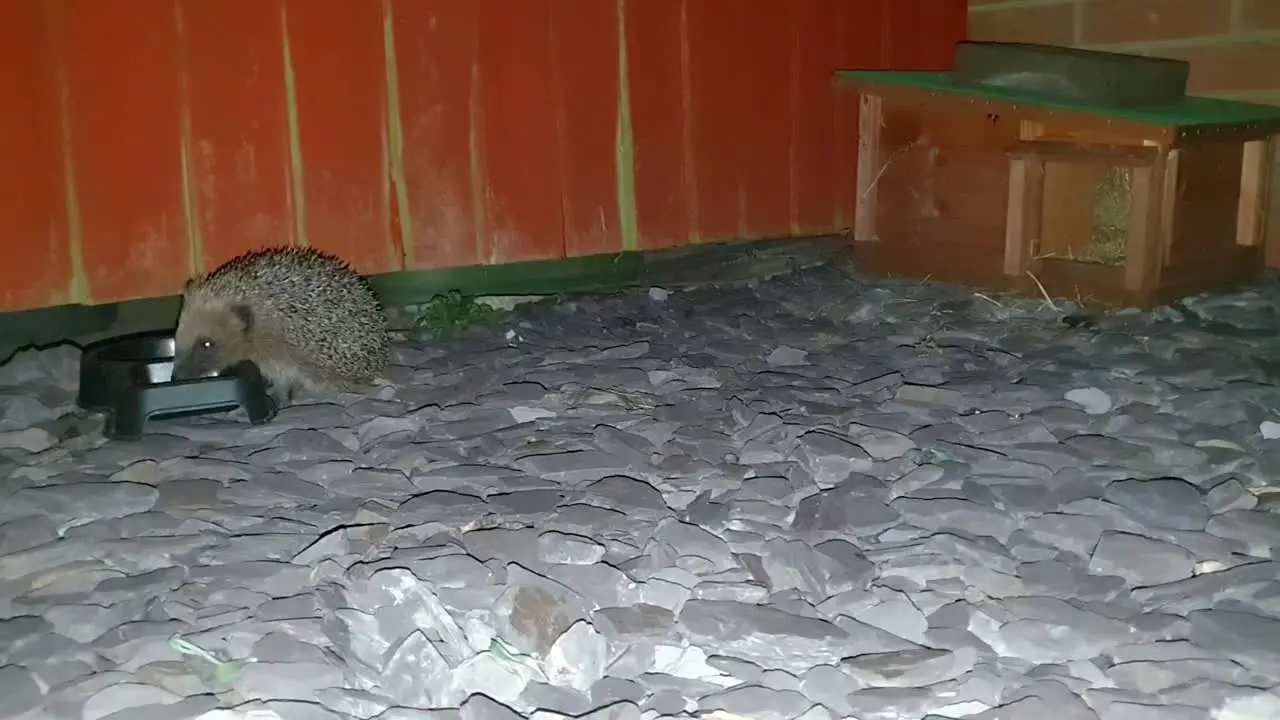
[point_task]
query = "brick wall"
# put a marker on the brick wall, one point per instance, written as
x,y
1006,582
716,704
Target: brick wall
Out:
x,y
1233,45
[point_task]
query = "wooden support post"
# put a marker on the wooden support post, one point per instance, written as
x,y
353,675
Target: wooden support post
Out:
x,y
1150,214
1023,216
1255,192
1168,205
869,122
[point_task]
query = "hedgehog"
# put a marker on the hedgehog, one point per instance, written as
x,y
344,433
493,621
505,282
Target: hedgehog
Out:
x,y
304,317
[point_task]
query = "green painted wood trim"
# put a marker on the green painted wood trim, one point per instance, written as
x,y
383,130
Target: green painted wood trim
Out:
x,y
45,326
543,277
677,267
1193,111
693,264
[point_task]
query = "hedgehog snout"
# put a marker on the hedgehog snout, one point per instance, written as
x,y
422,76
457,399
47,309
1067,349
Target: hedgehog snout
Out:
x,y
196,361
187,367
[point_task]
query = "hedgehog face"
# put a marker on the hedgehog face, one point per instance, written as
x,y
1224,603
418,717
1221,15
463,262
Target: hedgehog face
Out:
x,y
210,338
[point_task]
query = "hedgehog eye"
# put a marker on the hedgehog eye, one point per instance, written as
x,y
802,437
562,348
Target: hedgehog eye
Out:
x,y
204,343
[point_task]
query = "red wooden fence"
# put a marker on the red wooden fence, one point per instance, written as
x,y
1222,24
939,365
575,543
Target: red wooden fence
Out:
x,y
144,140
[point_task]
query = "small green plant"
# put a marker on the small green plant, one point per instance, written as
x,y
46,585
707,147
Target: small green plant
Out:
x,y
452,313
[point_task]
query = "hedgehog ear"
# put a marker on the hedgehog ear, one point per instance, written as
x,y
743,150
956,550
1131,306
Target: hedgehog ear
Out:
x,y
244,315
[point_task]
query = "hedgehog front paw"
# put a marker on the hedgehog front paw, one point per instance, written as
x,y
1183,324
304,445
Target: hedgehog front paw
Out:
x,y
281,394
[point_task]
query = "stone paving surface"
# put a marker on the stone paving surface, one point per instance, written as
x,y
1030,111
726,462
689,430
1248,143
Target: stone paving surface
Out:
x,y
805,497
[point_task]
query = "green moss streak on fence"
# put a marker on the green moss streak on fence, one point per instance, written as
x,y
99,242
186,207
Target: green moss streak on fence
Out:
x,y
476,146
686,107
297,184
395,141
80,291
190,203
625,162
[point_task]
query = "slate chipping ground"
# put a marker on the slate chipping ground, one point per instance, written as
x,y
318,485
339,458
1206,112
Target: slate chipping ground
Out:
x,y
806,497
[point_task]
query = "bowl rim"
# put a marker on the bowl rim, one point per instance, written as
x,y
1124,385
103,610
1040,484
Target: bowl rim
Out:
x,y
138,346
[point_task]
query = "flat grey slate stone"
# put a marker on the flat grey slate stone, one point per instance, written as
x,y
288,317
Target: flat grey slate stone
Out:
x,y
809,496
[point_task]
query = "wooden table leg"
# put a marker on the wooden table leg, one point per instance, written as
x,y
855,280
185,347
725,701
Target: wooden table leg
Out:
x,y
869,122
1150,222
1022,219
1255,192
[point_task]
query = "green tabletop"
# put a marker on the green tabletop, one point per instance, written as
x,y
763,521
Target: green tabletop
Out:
x,y
1190,112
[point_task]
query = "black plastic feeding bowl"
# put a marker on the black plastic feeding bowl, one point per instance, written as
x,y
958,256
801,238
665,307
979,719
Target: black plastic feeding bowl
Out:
x,y
129,379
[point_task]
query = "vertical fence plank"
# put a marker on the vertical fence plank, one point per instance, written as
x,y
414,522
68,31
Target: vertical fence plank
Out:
x,y
585,43
768,95
36,271
921,34
503,147
436,56
717,108
237,128
119,63
336,80
817,166
524,217
948,25
862,25
659,116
